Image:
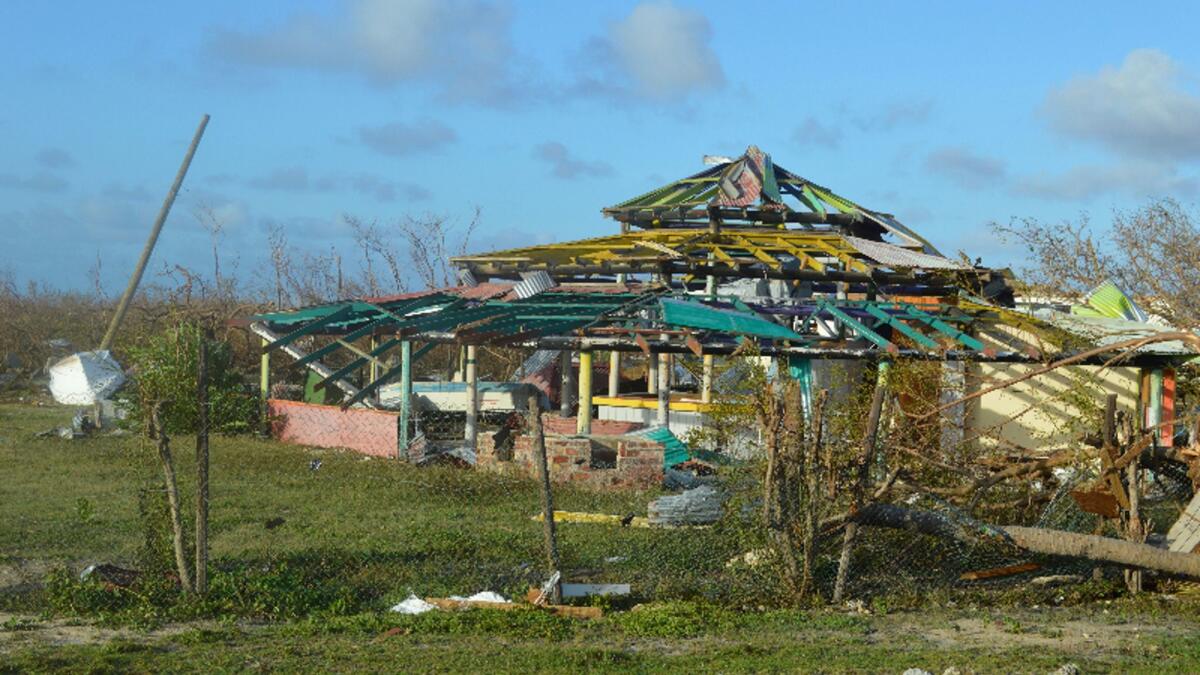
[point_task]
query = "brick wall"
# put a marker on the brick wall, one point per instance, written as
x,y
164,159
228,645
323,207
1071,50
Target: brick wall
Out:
x,y
639,462
371,432
553,424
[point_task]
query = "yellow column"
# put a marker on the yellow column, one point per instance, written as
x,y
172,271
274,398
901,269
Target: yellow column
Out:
x,y
583,421
264,372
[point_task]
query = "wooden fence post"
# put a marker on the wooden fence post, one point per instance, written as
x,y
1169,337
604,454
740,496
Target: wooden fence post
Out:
x,y
539,443
202,465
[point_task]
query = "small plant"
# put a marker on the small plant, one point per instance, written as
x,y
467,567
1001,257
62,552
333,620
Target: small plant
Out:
x,y
84,511
17,623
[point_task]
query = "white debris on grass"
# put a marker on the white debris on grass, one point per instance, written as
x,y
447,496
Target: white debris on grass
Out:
x,y
482,596
413,605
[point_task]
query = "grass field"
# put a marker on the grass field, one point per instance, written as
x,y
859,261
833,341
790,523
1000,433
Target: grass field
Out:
x,y
361,534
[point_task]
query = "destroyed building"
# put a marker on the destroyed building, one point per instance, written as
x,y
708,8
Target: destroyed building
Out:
x,y
742,258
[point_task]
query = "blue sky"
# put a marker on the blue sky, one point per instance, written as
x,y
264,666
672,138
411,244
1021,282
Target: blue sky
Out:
x,y
949,114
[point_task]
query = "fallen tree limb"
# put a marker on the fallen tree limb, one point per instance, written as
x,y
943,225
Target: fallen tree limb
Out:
x,y
1034,539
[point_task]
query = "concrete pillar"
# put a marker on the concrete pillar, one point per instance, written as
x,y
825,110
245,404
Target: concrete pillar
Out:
x,y
614,373
567,385
664,389
405,395
374,371
1154,409
652,373
706,380
264,372
472,430
583,420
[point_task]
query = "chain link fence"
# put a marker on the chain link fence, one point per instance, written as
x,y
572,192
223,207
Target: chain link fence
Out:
x,y
354,511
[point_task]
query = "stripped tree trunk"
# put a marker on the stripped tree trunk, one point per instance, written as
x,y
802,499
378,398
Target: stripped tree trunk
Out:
x,y
812,486
1034,539
860,488
159,434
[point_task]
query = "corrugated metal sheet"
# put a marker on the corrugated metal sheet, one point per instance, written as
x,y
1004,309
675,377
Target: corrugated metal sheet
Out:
x,y
696,315
895,256
1105,331
1109,300
533,283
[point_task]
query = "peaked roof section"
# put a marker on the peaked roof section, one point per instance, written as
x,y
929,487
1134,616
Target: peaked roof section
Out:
x,y
753,190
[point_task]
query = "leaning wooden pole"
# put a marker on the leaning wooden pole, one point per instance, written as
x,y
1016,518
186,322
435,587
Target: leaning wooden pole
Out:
x,y
202,465
136,277
539,444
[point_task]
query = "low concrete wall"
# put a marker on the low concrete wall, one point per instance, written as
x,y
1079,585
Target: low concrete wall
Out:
x,y
371,432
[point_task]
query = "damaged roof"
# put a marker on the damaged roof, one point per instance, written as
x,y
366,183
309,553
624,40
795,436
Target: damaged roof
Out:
x,y
753,189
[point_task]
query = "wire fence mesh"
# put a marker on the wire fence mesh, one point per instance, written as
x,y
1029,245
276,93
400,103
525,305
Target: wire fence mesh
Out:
x,y
354,512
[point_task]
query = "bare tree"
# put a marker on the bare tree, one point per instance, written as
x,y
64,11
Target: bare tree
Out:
x,y
429,247
372,243
1152,252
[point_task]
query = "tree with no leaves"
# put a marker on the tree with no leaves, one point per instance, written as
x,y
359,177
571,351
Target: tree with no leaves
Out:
x,y
1152,253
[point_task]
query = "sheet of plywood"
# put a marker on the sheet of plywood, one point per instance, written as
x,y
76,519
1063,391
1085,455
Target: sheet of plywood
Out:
x,y
1184,535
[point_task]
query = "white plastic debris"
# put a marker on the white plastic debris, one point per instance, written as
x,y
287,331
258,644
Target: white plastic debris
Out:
x,y
482,596
82,378
413,605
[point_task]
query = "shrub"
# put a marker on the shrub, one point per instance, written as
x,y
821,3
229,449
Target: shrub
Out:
x,y
165,368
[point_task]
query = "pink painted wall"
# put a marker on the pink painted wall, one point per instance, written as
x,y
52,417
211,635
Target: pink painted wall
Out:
x,y
371,432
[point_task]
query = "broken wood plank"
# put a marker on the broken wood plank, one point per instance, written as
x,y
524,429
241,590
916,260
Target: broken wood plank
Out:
x,y
1097,501
997,572
1184,535
1108,453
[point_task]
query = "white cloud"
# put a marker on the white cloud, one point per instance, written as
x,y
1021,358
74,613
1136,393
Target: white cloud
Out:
x,y
895,114
399,139
1138,109
659,52
812,132
966,168
296,179
55,158
1137,179
38,182
463,48
564,165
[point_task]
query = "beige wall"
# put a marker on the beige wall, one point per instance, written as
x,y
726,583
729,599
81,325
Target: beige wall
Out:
x,y
1051,420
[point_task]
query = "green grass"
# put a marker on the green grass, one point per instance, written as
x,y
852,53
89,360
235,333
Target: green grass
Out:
x,y
381,526
533,642
361,534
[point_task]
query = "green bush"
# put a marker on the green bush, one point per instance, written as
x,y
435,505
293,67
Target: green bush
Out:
x,y
165,369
